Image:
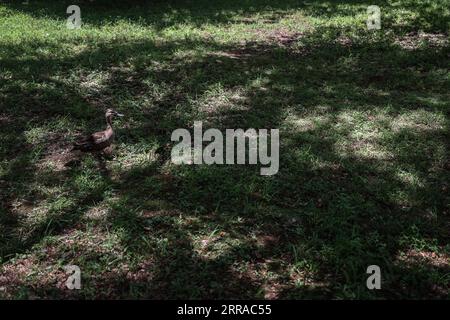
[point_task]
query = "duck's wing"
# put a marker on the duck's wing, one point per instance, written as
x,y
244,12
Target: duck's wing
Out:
x,y
96,141
83,144
99,137
93,142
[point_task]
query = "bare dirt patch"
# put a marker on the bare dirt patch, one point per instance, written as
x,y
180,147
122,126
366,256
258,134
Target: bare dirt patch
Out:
x,y
280,37
57,154
438,260
413,40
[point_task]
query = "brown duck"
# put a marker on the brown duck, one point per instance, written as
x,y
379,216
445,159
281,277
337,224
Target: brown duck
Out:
x,y
99,140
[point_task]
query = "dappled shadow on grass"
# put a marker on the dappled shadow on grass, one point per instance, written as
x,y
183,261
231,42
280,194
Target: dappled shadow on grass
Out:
x,y
225,231
157,14
425,15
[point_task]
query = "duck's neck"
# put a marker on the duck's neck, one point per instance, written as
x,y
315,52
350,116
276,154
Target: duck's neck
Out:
x,y
109,122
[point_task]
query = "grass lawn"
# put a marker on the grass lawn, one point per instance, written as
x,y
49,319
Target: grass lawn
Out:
x,y
364,136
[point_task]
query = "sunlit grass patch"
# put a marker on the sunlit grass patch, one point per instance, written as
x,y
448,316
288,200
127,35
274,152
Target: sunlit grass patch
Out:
x,y
363,173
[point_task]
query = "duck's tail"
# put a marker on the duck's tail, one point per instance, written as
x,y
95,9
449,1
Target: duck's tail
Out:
x,y
84,145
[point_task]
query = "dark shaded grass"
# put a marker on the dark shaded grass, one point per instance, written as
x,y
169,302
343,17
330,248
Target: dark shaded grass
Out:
x,y
331,221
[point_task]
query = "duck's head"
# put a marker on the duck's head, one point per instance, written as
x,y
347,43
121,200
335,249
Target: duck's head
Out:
x,y
111,112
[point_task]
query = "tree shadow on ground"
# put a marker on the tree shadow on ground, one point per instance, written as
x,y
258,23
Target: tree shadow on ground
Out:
x,y
331,211
423,15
